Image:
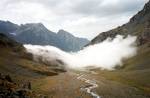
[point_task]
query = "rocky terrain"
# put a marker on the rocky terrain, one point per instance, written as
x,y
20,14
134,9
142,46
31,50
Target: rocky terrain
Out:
x,y
139,25
10,89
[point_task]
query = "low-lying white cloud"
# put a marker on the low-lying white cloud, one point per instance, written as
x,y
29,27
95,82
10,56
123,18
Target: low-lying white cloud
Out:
x,y
105,55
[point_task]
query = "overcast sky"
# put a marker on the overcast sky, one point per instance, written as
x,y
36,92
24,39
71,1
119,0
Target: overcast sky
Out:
x,y
85,18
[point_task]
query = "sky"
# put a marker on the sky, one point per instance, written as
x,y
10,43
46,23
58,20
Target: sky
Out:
x,y
82,18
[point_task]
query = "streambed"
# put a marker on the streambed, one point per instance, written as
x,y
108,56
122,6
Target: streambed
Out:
x,y
92,85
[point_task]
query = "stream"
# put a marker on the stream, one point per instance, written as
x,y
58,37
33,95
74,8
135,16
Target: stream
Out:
x,y
92,85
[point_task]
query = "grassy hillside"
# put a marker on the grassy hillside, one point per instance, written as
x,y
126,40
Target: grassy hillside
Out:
x,y
134,72
45,80
14,61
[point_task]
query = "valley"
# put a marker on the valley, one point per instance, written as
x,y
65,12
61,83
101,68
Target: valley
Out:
x,y
68,84
131,81
25,74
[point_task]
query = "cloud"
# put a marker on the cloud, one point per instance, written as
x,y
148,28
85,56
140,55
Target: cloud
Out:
x,y
105,55
84,18
108,7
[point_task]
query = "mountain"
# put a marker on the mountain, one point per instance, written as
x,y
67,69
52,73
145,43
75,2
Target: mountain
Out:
x,y
138,25
21,77
38,34
71,42
18,70
15,59
35,33
135,71
6,26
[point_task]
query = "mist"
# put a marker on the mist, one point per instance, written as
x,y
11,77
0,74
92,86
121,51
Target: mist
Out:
x,y
105,55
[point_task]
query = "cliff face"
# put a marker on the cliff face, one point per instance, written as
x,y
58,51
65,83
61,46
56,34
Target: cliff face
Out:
x,y
138,25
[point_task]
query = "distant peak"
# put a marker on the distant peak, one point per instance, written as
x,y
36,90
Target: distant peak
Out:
x,y
40,24
34,24
61,30
7,22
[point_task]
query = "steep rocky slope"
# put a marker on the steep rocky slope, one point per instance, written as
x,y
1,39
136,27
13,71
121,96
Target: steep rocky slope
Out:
x,y
138,25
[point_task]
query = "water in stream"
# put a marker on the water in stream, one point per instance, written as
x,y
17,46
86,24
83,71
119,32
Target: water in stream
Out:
x,y
92,86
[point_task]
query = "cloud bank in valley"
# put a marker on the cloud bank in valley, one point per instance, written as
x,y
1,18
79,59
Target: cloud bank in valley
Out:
x,y
105,55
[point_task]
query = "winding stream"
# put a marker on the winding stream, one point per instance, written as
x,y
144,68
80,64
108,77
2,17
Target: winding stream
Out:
x,y
92,85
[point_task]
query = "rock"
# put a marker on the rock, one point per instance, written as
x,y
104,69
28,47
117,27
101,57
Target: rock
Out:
x,y
144,37
8,78
27,85
10,89
139,25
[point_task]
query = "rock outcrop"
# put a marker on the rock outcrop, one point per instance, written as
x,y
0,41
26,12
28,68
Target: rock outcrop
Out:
x,y
139,25
11,89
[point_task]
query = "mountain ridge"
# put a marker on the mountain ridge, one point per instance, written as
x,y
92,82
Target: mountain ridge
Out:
x,y
139,25
38,34
135,71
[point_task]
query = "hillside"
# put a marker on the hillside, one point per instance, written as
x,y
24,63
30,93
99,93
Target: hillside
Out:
x,y
21,69
139,25
8,27
21,77
72,43
38,34
136,70
15,61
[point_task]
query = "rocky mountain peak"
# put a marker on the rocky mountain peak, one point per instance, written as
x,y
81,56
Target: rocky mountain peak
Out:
x,y
147,6
33,25
142,14
64,33
38,34
139,25
7,26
